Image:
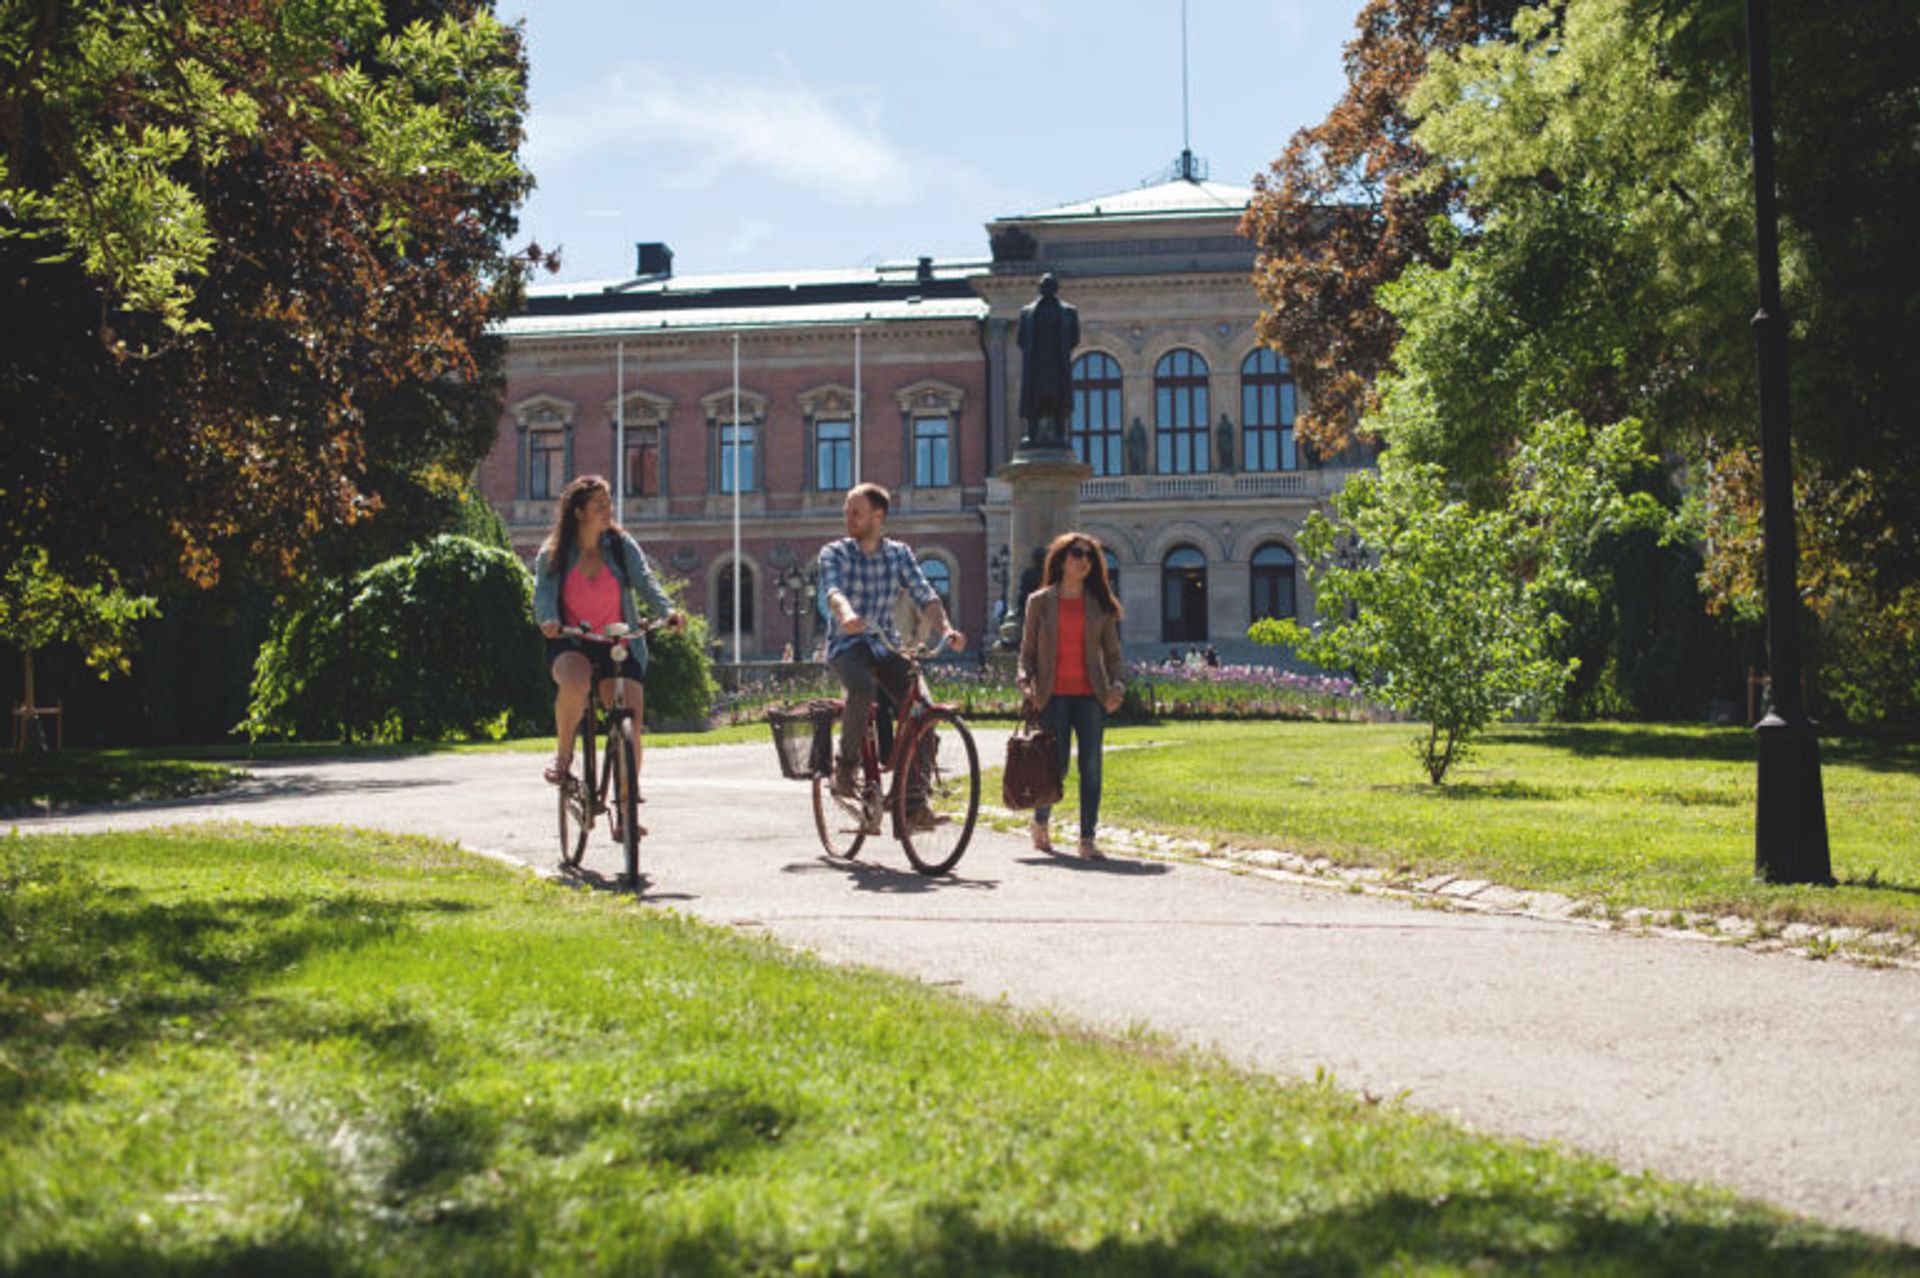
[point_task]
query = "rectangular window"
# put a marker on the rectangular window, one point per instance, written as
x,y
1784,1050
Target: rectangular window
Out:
x,y
833,456
736,458
643,468
932,453
545,459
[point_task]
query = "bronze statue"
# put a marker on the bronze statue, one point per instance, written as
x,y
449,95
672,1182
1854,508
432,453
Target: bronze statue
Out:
x,y
1049,330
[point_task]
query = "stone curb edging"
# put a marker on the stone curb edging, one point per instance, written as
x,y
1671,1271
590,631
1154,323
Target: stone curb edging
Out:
x,y
1457,892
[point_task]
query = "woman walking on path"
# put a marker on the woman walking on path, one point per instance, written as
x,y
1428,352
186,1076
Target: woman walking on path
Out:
x,y
586,574
1071,669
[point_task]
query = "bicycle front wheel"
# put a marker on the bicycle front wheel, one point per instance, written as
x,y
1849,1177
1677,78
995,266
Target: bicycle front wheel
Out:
x,y
623,785
842,823
937,804
576,803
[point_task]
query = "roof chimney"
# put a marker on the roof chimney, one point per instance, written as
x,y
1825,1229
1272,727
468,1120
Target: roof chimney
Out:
x,y
654,260
925,274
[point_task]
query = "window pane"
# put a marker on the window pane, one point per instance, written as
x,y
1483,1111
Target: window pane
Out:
x,y
931,452
1094,432
833,455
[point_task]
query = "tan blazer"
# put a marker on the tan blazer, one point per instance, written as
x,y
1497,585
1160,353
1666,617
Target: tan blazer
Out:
x,y
1040,643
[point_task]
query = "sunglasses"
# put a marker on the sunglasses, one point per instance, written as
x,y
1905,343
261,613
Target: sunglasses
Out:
x,y
1079,552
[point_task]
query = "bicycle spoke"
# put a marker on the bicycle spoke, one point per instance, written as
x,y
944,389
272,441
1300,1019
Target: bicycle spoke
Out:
x,y
936,810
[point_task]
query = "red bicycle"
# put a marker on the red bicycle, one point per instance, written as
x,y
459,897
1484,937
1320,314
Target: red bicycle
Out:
x,y
934,794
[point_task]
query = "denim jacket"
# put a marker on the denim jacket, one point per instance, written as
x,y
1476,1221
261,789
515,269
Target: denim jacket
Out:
x,y
628,563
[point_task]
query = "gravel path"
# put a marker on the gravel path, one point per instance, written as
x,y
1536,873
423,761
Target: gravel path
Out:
x,y
1792,1081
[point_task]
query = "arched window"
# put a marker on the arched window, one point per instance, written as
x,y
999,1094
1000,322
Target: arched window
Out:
x,y
1267,410
940,577
1180,413
1183,596
723,601
1094,432
1271,581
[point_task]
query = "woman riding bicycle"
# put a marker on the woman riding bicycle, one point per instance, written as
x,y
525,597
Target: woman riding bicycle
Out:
x,y
586,574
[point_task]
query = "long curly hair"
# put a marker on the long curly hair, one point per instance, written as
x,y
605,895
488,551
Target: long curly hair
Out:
x,y
566,524
1097,583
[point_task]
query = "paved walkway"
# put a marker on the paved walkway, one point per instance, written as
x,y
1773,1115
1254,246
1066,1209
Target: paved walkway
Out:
x,y
1790,1080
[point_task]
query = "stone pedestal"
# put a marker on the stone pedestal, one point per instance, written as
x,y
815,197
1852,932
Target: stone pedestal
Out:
x,y
1045,486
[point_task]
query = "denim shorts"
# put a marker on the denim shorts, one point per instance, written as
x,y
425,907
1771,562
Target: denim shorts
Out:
x,y
600,654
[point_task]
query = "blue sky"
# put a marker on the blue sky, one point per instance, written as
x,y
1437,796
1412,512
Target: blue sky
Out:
x,y
770,134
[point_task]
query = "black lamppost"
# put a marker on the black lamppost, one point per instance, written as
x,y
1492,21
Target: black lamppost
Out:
x,y
998,572
794,591
1790,820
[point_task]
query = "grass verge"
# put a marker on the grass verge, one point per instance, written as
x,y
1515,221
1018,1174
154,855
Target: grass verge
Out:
x,y
38,781
1625,815
316,1051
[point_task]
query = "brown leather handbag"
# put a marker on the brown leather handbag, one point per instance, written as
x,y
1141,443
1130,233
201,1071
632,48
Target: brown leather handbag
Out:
x,y
1031,778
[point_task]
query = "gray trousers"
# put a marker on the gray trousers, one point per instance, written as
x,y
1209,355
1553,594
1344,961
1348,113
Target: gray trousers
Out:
x,y
865,676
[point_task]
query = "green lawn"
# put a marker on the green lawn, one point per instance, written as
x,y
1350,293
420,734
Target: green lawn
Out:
x,y
1627,815
31,782
243,1051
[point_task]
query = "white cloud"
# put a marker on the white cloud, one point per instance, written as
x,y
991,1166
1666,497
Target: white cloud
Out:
x,y
687,133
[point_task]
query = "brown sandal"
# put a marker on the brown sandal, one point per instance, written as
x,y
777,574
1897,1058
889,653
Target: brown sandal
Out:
x,y
1042,841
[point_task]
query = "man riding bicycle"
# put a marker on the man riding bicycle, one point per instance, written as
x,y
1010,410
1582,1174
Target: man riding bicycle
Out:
x,y
860,575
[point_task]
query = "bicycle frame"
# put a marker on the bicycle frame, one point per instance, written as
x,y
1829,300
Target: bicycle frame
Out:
x,y
602,784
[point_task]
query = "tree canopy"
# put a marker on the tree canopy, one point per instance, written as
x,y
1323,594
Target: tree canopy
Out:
x,y
252,251
1588,249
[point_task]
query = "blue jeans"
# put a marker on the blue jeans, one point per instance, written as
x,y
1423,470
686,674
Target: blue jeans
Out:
x,y
1083,718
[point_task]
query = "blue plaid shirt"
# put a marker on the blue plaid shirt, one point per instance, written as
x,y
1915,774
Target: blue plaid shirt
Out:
x,y
869,582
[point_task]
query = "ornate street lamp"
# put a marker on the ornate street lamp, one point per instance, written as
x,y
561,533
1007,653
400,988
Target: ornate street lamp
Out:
x,y
794,590
1790,819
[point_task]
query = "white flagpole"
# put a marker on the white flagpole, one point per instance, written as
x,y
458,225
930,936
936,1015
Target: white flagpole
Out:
x,y
619,431
737,480
856,404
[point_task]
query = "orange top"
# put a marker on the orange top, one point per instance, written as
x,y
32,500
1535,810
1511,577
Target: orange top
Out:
x,y
1070,659
593,601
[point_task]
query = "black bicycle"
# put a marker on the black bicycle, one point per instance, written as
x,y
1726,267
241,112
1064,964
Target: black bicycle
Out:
x,y
597,780
934,797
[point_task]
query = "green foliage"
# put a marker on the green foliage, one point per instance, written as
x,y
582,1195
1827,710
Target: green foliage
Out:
x,y
680,684
253,252
1449,615
436,643
461,1070
40,607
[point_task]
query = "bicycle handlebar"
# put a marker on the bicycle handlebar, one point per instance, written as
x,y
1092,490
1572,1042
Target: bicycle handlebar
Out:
x,y
614,633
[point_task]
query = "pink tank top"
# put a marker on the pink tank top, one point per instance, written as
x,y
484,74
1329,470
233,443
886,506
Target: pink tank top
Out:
x,y
592,601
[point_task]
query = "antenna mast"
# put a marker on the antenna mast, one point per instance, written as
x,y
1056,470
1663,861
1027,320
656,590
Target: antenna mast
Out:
x,y
1186,131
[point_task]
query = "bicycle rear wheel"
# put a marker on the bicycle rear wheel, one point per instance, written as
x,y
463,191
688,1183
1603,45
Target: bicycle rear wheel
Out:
x,y
623,792
576,801
841,822
935,833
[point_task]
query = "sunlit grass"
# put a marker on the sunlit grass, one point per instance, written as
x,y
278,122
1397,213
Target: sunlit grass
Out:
x,y
248,1051
1628,815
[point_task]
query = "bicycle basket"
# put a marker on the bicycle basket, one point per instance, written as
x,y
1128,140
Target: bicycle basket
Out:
x,y
803,738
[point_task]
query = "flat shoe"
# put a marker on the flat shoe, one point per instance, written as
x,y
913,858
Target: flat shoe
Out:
x,y
561,777
1042,842
1088,852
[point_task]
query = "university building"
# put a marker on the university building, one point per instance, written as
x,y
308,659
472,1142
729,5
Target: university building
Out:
x,y
908,375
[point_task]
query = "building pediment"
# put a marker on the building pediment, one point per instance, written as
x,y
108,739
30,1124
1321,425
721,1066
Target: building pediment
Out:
x,y
544,410
718,407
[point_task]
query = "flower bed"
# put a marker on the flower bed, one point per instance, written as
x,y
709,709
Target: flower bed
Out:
x,y
1154,691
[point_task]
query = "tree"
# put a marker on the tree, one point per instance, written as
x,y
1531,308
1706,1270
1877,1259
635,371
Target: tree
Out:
x,y
252,254
1350,204
39,607
436,643
1610,272
1451,610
